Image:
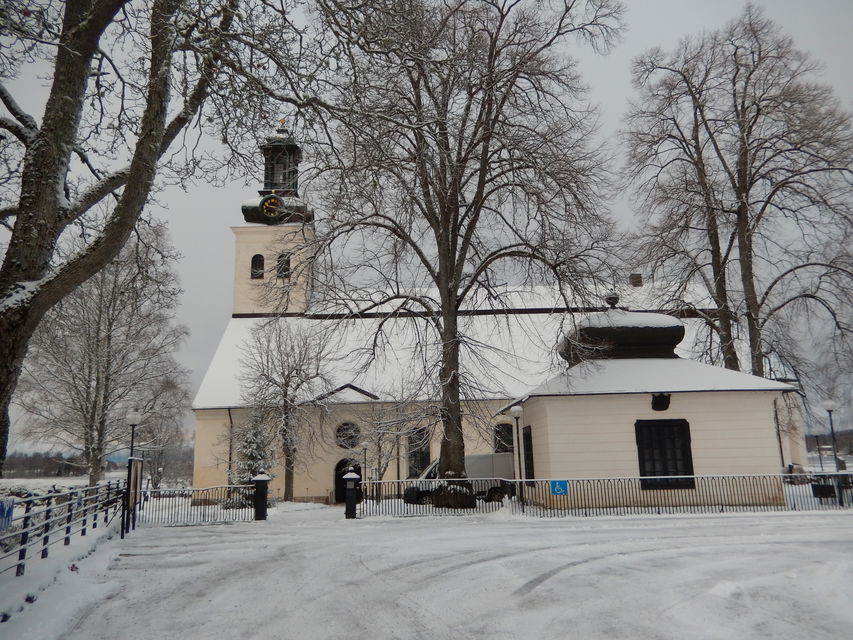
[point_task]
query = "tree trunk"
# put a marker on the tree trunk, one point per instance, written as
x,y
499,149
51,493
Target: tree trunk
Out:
x,y
289,455
720,291
40,220
747,273
93,466
452,456
16,329
721,295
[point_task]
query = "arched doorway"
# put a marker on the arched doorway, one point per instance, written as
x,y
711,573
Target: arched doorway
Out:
x,y
341,469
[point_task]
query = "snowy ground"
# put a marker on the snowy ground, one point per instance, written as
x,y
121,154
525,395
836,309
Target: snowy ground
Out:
x,y
45,484
309,574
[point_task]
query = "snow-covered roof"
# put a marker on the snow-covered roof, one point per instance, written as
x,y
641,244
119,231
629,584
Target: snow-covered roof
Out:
x,y
651,375
502,356
622,318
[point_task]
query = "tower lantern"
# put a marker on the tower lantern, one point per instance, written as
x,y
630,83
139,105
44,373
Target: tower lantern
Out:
x,y
279,202
281,164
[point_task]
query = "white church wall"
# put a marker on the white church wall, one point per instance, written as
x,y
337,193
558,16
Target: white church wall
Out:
x,y
314,476
594,436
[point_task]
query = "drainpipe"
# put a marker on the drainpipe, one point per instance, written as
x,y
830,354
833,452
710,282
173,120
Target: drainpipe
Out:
x,y
230,442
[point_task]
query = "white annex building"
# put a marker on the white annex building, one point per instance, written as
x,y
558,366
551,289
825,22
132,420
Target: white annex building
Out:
x,y
628,406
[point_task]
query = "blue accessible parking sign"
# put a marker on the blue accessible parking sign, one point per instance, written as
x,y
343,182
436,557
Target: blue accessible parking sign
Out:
x,y
559,487
7,509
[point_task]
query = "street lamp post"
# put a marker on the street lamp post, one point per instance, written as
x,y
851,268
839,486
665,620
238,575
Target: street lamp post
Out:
x,y
133,419
516,411
829,406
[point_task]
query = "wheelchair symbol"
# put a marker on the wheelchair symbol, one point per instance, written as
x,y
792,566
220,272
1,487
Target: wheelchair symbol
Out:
x,y
559,488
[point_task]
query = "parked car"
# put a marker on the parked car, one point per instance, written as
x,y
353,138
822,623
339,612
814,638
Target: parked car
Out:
x,y
487,473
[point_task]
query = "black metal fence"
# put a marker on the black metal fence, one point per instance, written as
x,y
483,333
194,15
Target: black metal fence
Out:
x,y
40,522
212,505
610,496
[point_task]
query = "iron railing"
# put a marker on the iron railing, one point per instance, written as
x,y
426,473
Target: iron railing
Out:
x,y
211,505
610,496
39,522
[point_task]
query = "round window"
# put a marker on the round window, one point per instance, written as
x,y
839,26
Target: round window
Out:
x,y
347,435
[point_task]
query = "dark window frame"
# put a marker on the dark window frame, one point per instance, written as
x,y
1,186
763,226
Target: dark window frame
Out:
x,y
347,435
664,449
256,270
417,445
282,267
504,439
527,441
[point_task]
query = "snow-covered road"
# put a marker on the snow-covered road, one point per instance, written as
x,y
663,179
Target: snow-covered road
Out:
x,y
309,574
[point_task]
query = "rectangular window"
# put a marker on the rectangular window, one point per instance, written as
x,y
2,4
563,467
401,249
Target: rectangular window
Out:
x,y
283,266
418,446
503,438
663,449
527,440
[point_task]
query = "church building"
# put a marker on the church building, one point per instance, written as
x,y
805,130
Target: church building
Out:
x,y
625,406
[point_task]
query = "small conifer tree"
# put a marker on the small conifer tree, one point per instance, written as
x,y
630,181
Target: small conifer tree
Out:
x,y
255,453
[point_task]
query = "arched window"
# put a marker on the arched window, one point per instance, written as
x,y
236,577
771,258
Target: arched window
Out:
x,y
347,435
283,266
257,266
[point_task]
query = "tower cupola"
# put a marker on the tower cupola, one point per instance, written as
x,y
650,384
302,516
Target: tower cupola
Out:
x,y
618,333
281,164
279,202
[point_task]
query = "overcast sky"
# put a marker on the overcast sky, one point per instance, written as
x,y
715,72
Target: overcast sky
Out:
x,y
200,220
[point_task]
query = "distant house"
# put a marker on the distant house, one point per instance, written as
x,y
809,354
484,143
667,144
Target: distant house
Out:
x,y
624,405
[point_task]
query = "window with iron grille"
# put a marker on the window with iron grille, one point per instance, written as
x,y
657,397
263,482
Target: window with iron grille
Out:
x,y
663,449
503,438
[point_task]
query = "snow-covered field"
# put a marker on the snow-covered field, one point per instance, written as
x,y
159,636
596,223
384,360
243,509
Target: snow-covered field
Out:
x,y
309,574
63,482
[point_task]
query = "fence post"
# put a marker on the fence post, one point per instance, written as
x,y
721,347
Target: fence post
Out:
x,y
25,536
84,504
96,506
46,531
69,505
262,481
106,504
351,478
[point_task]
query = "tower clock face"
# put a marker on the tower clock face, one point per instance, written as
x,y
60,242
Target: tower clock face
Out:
x,y
272,206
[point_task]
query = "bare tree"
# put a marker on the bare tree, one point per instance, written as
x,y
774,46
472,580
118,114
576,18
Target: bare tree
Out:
x,y
283,370
105,349
464,160
743,163
160,436
133,89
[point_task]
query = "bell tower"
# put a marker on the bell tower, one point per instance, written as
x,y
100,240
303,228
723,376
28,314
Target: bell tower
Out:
x,y
272,250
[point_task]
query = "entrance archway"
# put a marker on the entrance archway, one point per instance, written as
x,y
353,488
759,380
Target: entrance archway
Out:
x,y
341,469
